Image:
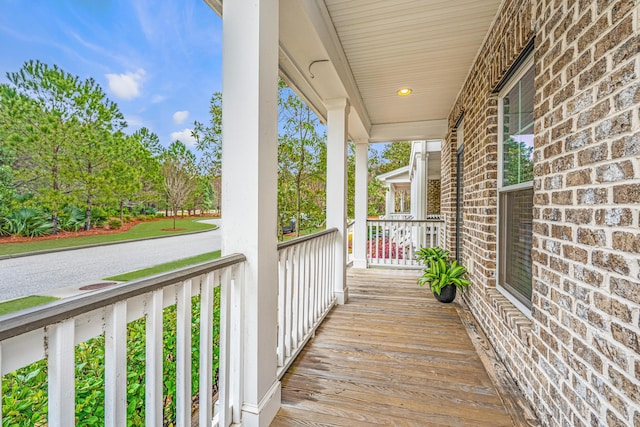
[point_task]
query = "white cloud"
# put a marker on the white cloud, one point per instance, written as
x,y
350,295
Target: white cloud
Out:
x,y
158,99
134,121
180,116
184,136
127,85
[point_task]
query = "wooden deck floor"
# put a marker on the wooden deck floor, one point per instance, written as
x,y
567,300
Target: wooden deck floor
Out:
x,y
392,356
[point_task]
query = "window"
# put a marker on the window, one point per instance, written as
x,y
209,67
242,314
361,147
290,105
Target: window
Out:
x,y
516,185
459,190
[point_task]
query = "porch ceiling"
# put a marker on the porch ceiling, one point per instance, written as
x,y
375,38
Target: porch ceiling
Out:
x,y
374,48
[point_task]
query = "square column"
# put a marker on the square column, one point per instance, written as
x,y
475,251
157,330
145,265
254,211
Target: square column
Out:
x,y
390,206
249,194
337,112
361,205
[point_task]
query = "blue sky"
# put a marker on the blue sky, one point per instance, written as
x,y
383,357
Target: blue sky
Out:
x,y
159,60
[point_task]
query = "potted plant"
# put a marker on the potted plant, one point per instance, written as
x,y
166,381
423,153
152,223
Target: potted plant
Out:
x,y
443,276
427,255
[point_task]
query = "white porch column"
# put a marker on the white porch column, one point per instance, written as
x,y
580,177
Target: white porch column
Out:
x,y
249,192
421,187
390,206
425,208
413,176
337,111
361,205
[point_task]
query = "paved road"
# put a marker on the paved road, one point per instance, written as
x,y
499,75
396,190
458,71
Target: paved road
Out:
x,y
59,273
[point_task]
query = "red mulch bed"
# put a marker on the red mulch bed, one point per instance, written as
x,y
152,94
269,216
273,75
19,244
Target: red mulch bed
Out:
x,y
68,234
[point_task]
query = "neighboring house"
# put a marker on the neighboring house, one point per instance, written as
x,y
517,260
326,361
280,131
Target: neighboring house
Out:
x,y
419,182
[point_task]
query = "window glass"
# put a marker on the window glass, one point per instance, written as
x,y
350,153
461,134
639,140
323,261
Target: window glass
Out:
x,y
516,203
517,123
516,243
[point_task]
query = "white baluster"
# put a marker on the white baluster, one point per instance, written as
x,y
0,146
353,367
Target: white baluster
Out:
x,y
153,366
183,355
207,303
62,374
115,365
282,296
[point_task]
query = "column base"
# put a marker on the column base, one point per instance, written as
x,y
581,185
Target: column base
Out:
x,y
263,414
359,263
342,297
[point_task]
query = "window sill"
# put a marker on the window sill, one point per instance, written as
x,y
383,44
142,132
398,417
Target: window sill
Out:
x,y
512,313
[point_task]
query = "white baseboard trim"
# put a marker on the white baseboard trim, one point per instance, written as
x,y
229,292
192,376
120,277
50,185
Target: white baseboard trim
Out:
x,y
359,263
342,297
263,414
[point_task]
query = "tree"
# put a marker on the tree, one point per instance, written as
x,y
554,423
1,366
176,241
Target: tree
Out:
x,y
300,150
209,143
178,170
65,134
137,174
375,191
395,155
36,109
518,161
98,144
7,186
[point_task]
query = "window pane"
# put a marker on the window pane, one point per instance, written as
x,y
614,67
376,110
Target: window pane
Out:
x,y
517,121
516,242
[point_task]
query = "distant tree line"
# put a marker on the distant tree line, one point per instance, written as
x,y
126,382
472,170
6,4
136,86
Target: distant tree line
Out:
x,y
67,161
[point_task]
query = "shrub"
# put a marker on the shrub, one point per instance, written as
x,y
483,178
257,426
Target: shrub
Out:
x,y
384,249
141,217
99,216
114,223
127,218
24,391
27,223
72,218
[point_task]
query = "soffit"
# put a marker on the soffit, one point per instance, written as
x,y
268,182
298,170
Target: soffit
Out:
x,y
427,45
371,48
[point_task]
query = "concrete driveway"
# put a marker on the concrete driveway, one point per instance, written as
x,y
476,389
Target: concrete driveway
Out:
x,y
60,272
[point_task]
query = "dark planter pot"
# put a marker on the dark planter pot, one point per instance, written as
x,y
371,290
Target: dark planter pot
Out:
x,y
447,294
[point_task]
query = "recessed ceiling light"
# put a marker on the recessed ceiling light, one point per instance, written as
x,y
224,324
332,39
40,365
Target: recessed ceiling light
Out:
x,y
404,91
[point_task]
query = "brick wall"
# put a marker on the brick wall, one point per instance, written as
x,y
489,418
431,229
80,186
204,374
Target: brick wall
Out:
x,y
578,357
448,191
433,196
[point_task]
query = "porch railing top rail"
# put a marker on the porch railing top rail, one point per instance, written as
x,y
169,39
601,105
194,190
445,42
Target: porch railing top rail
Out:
x,y
301,239
404,221
25,321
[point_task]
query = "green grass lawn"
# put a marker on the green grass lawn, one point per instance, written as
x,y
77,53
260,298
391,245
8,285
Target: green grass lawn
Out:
x,y
163,268
34,300
22,303
139,231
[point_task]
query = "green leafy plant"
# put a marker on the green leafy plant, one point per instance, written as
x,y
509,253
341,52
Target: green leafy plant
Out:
x,y
24,391
114,223
72,218
426,256
27,222
440,271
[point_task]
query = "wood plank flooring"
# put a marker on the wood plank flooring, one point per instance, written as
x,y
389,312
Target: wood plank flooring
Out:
x,y
391,356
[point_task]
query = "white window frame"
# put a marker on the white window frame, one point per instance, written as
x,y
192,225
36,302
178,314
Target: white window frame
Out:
x,y
522,70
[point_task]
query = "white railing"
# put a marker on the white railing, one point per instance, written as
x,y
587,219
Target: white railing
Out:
x,y
51,332
403,216
393,243
306,267
349,248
